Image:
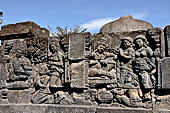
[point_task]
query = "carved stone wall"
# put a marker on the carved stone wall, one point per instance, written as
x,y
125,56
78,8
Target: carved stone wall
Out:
x,y
115,70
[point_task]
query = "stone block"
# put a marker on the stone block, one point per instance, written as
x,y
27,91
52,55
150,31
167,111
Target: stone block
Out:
x,y
22,30
77,74
157,41
167,40
105,96
118,110
165,73
76,47
19,96
18,85
44,109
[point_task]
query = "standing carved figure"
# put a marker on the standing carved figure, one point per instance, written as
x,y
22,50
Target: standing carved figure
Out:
x,y
143,65
55,62
126,53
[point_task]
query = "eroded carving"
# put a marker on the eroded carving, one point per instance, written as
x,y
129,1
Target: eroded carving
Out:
x,y
120,69
55,62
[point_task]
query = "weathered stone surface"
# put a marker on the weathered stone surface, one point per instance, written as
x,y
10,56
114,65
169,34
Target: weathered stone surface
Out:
x,y
44,109
157,41
126,23
19,96
77,73
18,85
11,108
161,111
165,73
76,46
115,71
105,96
114,39
117,110
162,103
167,39
22,30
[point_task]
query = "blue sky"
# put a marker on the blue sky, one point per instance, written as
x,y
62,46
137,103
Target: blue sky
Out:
x,y
91,14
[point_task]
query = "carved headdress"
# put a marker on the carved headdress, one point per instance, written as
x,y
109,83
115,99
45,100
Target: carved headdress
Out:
x,y
103,41
127,38
140,37
143,38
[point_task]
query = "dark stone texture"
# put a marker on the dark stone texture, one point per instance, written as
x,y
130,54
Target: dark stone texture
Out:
x,y
121,69
21,30
157,41
165,73
167,39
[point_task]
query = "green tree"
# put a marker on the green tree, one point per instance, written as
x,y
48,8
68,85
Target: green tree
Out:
x,y
64,31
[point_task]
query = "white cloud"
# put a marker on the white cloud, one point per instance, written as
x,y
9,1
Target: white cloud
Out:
x,y
139,15
98,23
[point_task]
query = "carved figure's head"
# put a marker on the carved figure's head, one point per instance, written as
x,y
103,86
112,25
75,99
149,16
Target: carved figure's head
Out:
x,y
126,42
18,53
101,47
43,68
140,41
128,78
7,48
54,45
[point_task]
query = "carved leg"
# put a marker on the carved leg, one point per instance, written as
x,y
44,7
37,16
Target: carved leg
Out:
x,y
55,81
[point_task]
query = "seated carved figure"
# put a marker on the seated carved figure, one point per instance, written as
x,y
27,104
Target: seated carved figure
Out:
x,y
42,93
131,94
20,67
103,64
41,78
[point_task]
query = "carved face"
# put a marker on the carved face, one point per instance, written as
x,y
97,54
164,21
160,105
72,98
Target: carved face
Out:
x,y
18,54
101,48
53,48
139,43
128,79
43,69
7,49
126,44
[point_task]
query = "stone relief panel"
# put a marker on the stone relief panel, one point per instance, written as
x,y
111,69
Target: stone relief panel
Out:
x,y
119,69
18,66
125,71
